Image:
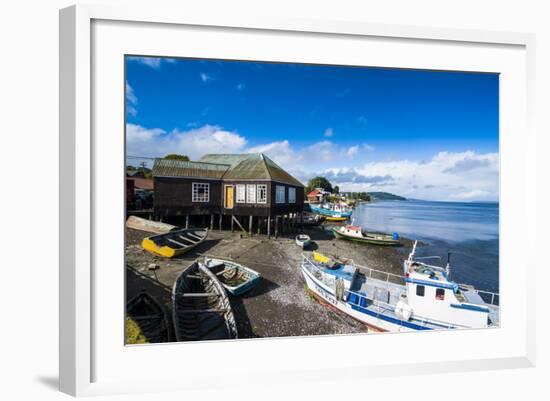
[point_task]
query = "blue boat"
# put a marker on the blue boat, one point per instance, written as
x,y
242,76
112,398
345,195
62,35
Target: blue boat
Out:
x,y
331,210
235,278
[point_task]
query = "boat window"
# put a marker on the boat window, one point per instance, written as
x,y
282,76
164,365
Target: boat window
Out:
x,y
291,195
280,194
440,294
250,193
262,193
241,193
420,290
201,192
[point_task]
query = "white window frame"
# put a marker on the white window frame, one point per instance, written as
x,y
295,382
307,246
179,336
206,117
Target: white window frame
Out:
x,y
194,195
250,193
240,193
278,192
291,195
259,188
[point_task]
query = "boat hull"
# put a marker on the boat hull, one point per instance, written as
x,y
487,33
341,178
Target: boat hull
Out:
x,y
373,241
160,247
219,267
376,321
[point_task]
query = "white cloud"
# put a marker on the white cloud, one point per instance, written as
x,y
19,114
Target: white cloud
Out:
x,y
152,62
329,132
352,151
131,100
194,143
368,147
206,77
281,152
241,86
458,176
447,176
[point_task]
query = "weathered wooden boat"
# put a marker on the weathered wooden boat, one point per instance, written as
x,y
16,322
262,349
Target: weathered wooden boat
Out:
x,y
303,240
150,317
175,243
423,298
236,278
355,233
200,306
138,223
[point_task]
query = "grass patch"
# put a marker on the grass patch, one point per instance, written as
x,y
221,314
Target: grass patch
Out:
x,y
133,333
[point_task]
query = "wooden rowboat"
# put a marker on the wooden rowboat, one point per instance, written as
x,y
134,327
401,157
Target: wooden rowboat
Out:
x,y
354,233
200,306
174,243
236,278
149,317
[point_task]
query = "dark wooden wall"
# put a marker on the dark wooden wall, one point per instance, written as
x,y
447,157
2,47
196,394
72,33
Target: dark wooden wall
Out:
x,y
173,197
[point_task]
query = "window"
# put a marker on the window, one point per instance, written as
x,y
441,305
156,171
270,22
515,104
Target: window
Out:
x,y
291,195
280,194
420,290
241,193
250,193
440,294
262,193
201,192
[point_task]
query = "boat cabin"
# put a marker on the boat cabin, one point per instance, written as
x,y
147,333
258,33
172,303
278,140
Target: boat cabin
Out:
x,y
432,294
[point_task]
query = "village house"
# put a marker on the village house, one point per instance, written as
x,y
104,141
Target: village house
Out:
x,y
247,188
317,195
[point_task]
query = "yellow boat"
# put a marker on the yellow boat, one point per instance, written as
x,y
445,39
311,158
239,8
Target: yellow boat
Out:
x,y
174,243
333,218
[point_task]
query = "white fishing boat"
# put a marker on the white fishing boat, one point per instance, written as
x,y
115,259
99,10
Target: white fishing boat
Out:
x,y
303,240
424,298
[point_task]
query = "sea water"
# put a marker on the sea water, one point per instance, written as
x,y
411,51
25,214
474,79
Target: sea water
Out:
x,y
468,230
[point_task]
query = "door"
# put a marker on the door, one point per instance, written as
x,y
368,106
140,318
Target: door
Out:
x,y
229,196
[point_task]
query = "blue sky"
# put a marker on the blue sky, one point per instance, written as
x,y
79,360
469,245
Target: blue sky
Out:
x,y
364,127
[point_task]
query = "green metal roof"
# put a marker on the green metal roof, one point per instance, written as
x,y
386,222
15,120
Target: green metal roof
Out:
x,y
248,166
252,166
178,168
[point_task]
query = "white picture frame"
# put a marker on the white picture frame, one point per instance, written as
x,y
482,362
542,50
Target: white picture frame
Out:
x,y
90,346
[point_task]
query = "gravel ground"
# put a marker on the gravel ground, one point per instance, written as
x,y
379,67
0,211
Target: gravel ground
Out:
x,y
279,305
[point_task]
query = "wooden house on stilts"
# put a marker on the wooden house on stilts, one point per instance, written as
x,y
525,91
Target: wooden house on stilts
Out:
x,y
249,190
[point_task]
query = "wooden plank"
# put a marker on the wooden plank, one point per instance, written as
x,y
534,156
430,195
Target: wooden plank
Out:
x,y
198,294
239,224
187,239
177,243
195,236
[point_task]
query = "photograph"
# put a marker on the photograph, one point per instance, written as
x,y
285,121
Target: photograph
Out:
x,y
274,199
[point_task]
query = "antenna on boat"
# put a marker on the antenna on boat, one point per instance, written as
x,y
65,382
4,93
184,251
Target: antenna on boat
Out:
x,y
448,267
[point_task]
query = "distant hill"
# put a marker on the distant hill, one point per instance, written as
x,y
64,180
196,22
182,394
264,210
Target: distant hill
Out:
x,y
384,196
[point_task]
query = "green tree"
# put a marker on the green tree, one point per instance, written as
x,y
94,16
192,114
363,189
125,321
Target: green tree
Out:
x,y
174,156
336,190
319,182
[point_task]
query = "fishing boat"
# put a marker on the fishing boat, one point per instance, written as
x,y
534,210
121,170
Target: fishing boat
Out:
x,y
150,318
236,278
303,240
311,220
335,218
331,210
355,233
423,298
200,306
174,243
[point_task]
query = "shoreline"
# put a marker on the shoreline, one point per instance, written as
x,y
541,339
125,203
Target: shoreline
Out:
x,y
280,305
